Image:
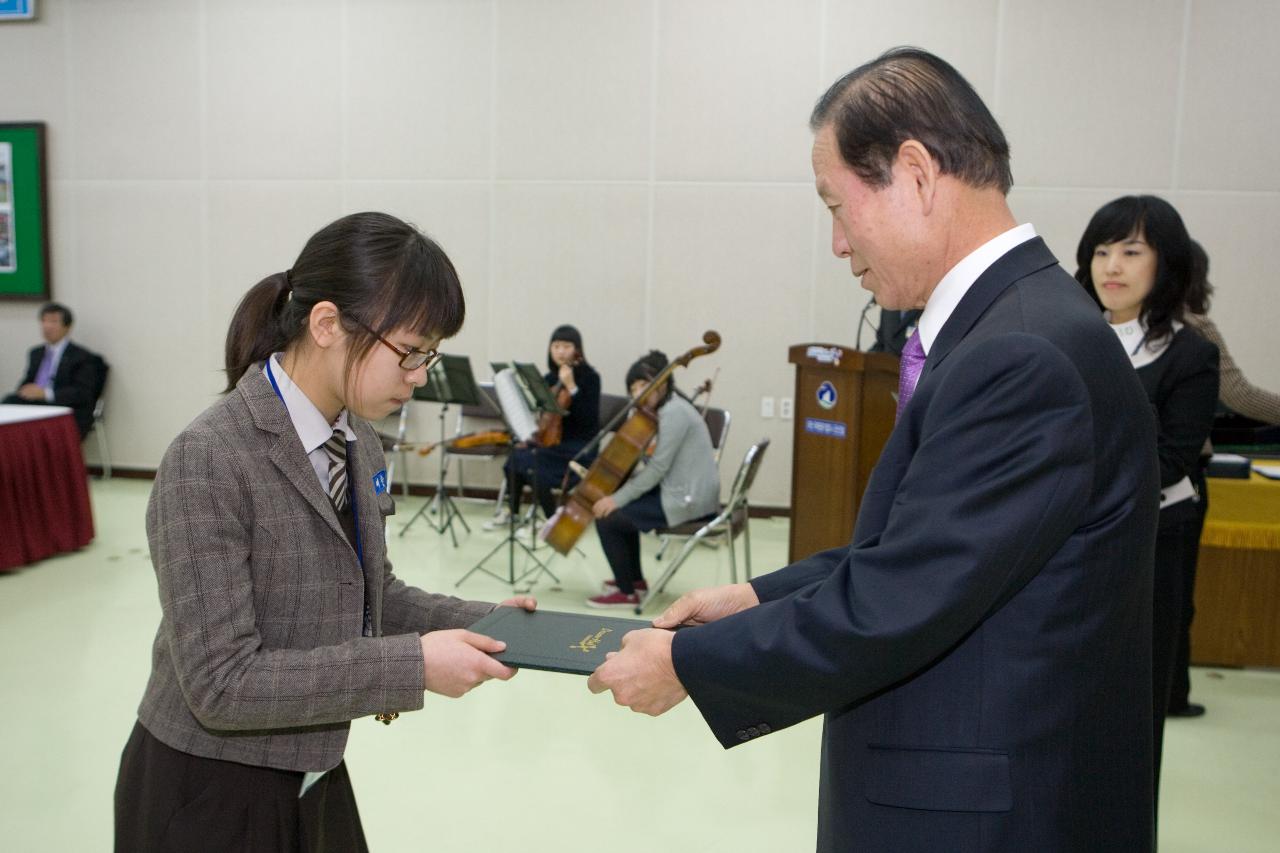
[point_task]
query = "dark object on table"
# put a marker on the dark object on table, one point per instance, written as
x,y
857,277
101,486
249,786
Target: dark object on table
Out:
x,y
1233,429
1228,465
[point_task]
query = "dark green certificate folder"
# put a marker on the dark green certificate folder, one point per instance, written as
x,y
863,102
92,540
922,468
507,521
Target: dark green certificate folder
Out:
x,y
559,642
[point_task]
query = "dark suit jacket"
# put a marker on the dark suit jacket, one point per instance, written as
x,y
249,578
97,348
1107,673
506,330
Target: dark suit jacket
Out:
x,y
77,383
894,329
260,657
1182,385
982,649
583,421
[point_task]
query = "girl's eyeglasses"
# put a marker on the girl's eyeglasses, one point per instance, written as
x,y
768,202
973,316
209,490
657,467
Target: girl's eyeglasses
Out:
x,y
410,359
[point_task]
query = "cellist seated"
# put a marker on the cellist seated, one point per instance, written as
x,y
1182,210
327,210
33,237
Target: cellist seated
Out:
x,y
678,484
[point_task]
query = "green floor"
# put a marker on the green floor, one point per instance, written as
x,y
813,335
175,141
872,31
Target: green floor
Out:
x,y
535,764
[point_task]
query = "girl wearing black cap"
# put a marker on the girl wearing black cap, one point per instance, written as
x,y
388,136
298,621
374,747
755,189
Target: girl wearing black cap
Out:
x,y
680,483
545,467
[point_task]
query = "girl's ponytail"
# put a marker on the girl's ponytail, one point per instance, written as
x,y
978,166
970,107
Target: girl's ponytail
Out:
x,y
256,329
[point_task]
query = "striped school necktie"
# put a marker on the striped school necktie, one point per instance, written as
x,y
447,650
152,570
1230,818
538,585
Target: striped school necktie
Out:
x,y
336,449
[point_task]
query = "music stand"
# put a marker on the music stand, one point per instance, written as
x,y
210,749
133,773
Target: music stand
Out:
x,y
448,381
532,381
538,397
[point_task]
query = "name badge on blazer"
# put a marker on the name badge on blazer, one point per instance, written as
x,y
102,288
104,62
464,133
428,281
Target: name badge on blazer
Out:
x,y
380,482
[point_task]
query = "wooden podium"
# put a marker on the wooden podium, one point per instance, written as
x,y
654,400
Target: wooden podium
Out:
x,y
844,412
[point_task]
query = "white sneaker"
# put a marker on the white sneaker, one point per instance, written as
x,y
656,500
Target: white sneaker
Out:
x,y
500,521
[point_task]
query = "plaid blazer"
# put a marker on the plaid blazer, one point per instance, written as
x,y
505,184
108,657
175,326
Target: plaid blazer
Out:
x,y
259,657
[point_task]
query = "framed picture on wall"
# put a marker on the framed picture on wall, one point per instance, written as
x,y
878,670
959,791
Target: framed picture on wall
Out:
x,y
17,10
24,207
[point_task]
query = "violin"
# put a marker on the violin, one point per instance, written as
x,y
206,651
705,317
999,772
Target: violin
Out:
x,y
550,430
617,458
483,438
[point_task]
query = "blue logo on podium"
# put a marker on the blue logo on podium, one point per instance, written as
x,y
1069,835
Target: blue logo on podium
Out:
x,y
827,395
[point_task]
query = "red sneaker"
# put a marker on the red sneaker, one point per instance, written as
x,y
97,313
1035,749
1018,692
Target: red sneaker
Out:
x,y
611,585
617,598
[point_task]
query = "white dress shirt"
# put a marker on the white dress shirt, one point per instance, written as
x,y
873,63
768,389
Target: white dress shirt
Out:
x,y
956,283
310,424
58,349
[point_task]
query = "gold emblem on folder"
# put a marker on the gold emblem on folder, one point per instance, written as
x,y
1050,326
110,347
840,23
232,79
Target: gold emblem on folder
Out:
x,y
590,642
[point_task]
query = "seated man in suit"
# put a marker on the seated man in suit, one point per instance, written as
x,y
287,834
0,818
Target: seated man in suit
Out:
x,y
61,373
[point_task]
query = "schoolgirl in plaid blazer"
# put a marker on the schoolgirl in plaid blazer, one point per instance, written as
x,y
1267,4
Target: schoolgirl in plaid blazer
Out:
x,y
282,618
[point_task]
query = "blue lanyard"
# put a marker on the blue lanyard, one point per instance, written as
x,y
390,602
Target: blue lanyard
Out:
x,y
351,481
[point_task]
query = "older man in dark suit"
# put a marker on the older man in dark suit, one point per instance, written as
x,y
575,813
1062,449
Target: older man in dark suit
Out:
x,y
60,372
981,649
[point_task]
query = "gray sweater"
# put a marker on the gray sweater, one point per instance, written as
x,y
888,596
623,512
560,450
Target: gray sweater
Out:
x,y
683,462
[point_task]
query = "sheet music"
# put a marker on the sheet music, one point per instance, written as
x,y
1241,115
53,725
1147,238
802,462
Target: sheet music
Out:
x,y
514,407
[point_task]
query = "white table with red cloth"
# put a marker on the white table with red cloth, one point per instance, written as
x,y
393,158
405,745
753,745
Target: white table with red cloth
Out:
x,y
44,490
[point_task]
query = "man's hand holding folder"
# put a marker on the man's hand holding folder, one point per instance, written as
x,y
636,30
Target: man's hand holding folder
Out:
x,y
641,675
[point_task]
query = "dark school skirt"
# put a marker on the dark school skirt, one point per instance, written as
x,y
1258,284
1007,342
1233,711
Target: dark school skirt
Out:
x,y
167,800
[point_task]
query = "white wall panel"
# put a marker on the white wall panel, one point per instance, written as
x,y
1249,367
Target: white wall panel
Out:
x,y
638,167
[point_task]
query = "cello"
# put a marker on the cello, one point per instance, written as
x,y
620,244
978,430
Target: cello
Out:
x,y
616,460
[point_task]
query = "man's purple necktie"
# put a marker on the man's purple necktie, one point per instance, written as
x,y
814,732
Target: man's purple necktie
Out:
x,y
909,370
44,375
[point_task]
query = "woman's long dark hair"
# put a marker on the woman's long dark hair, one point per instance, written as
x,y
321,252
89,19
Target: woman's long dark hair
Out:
x,y
375,268
1201,291
1163,230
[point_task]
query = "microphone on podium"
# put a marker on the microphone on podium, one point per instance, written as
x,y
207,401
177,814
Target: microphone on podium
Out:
x,y
862,321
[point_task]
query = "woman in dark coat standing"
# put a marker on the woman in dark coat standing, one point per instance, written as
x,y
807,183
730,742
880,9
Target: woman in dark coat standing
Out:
x,y
1135,261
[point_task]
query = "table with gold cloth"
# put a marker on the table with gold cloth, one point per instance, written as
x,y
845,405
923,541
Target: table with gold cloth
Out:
x,y
1237,620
